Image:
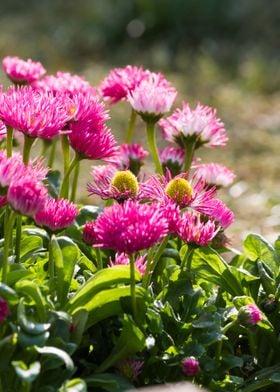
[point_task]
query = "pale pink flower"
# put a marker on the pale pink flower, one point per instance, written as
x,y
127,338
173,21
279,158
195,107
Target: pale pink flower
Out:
x,y
27,196
153,97
4,310
35,113
56,215
190,366
173,159
192,230
132,157
64,82
11,168
123,259
88,233
121,81
249,314
21,71
215,174
130,368
130,227
199,125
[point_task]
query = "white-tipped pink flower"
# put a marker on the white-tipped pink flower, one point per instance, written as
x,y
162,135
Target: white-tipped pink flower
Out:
x,y
121,81
199,125
132,157
215,174
21,71
249,315
56,215
123,259
35,113
172,158
153,97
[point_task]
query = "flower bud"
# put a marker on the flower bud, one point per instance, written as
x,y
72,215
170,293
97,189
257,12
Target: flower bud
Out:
x,y
4,309
190,366
249,315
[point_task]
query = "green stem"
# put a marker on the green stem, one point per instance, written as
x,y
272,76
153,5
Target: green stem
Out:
x,y
252,343
75,182
131,126
153,261
51,262
220,343
98,259
9,141
132,287
18,237
9,223
52,152
45,146
189,154
66,154
28,141
187,261
153,147
64,190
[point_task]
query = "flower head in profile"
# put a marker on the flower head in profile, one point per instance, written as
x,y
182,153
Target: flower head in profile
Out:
x,y
4,310
21,71
115,184
66,83
249,315
121,81
130,368
199,125
190,366
123,259
215,174
132,157
172,158
56,215
153,97
35,113
192,230
11,168
130,227
218,211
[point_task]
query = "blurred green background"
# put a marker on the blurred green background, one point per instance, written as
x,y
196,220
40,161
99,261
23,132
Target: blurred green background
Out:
x,y
223,53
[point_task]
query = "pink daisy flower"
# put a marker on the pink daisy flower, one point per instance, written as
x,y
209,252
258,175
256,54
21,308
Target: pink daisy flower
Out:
x,y
190,366
4,310
88,233
35,113
199,125
215,174
192,230
21,71
121,81
173,159
87,109
123,259
64,82
110,183
152,98
249,314
132,157
11,168
130,368
27,196
3,130
218,211
130,227
56,215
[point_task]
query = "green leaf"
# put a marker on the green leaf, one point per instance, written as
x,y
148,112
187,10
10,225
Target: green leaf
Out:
x,y
256,247
79,321
29,245
88,213
130,342
109,382
75,385
32,290
18,272
53,181
27,373
101,280
56,352
8,293
30,327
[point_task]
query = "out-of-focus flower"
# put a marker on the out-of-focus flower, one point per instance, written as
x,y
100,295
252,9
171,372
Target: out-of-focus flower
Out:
x,y
190,366
215,174
27,196
200,126
173,159
130,227
21,71
153,97
249,314
56,215
35,113
64,82
3,130
118,185
132,157
130,368
10,168
4,310
88,233
121,81
217,210
123,259
192,230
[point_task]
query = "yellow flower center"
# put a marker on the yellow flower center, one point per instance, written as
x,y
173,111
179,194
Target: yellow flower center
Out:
x,y
178,189
125,181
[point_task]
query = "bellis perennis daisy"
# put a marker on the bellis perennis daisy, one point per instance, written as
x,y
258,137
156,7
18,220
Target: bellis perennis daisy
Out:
x,y
215,174
21,71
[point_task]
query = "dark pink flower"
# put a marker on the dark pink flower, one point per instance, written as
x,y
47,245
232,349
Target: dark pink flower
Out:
x,y
249,314
215,174
4,310
190,366
218,211
123,259
121,81
88,233
27,196
56,215
21,71
200,125
35,113
130,227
